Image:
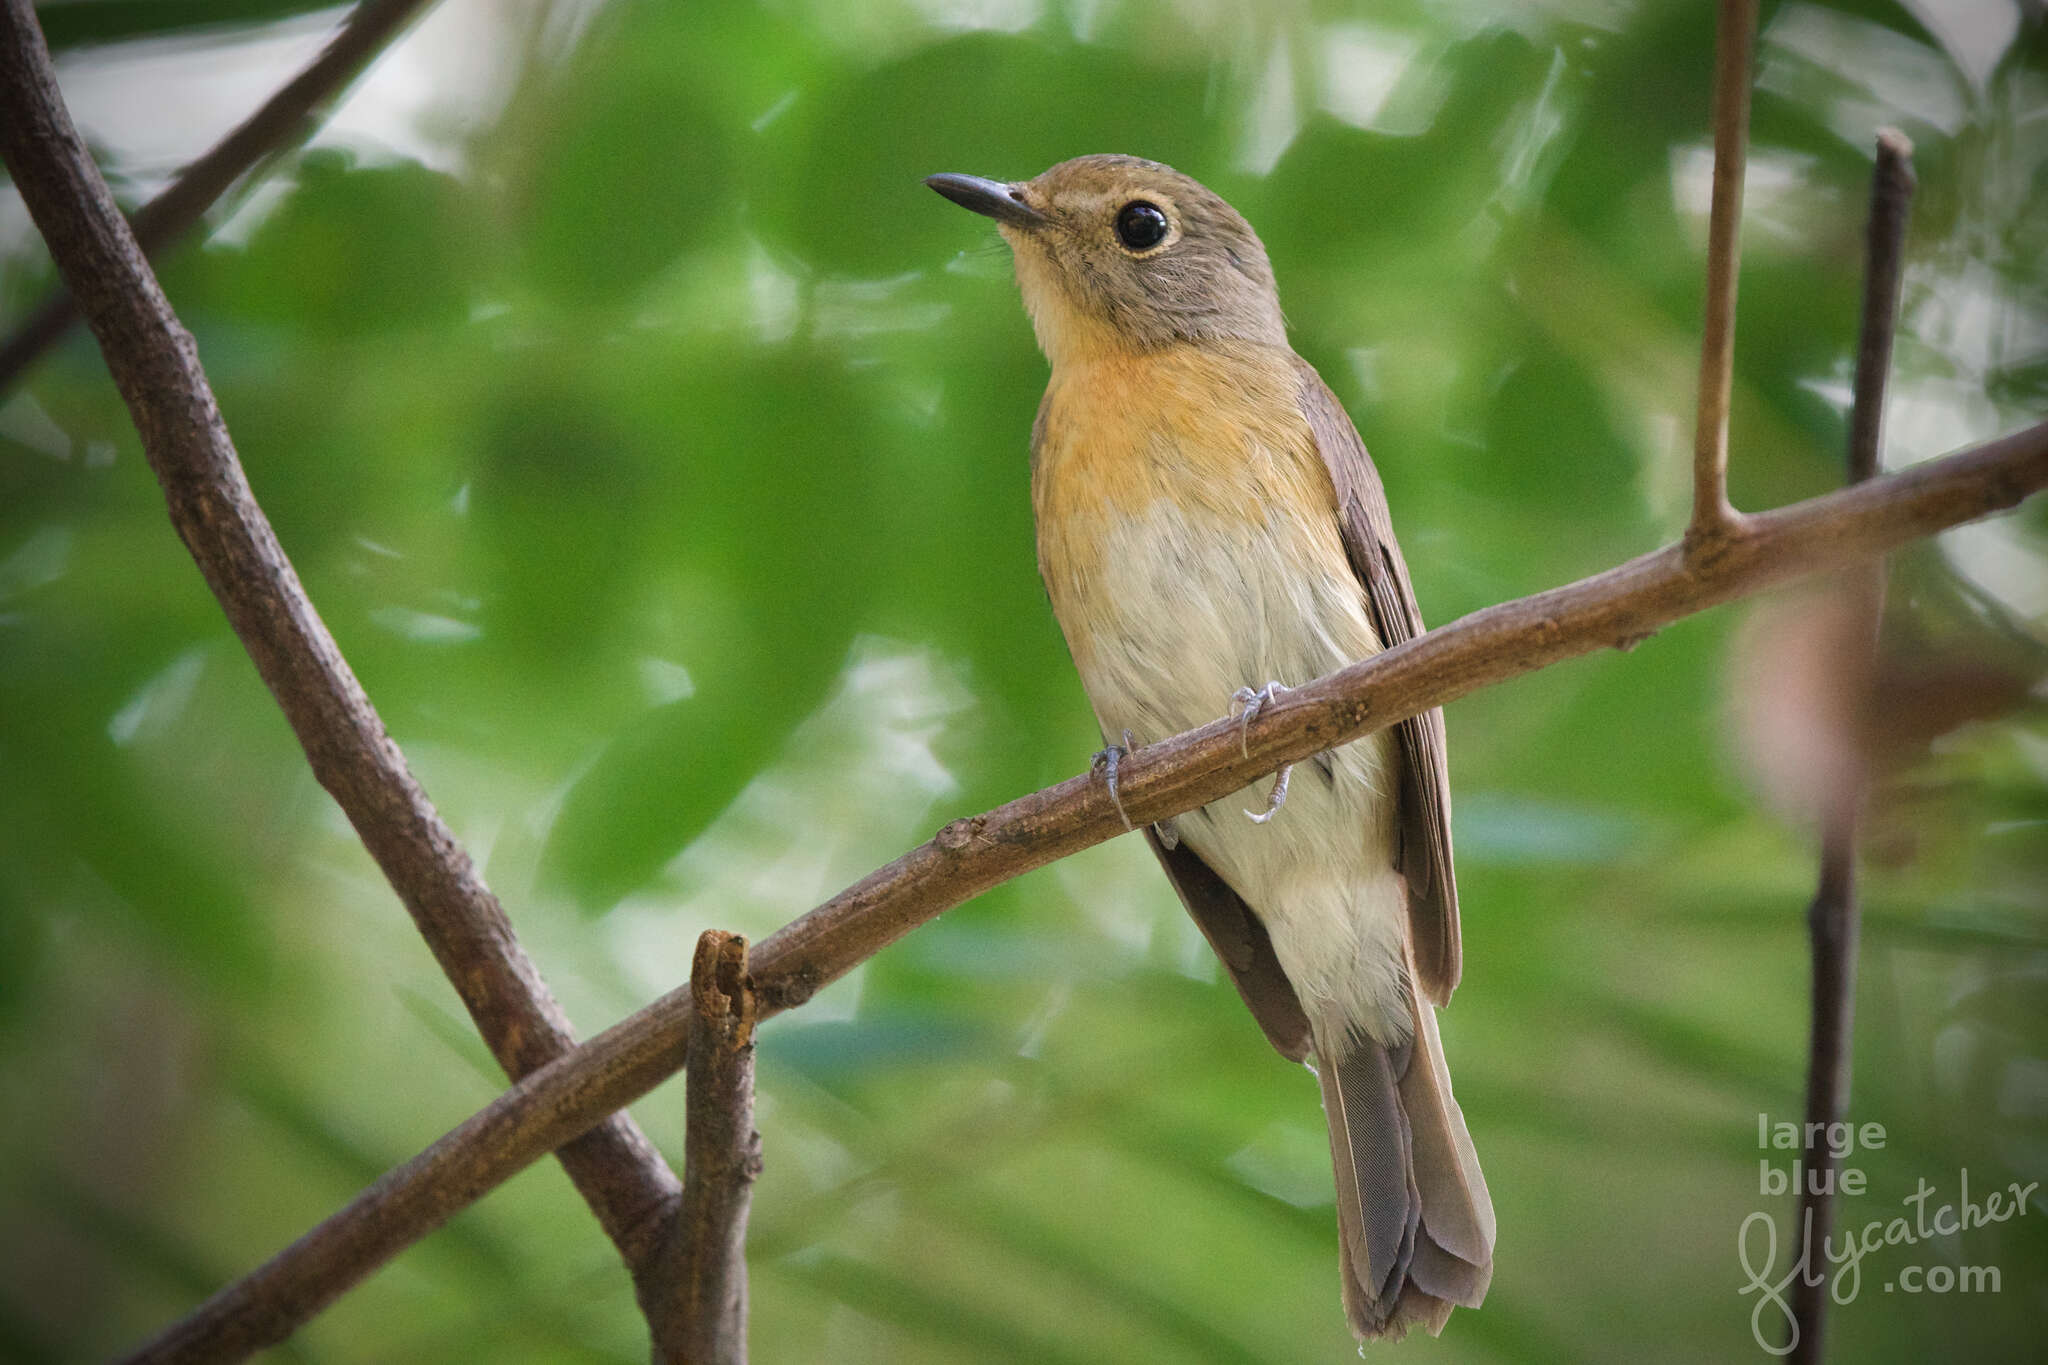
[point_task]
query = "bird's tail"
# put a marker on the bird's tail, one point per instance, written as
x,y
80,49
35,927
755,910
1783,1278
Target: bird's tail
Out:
x,y
1413,1215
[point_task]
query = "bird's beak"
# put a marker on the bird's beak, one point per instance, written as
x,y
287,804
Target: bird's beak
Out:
x,y
990,198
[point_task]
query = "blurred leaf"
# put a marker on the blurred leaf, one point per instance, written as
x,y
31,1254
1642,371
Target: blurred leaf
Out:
x,y
908,1303
628,173
855,198
73,23
351,250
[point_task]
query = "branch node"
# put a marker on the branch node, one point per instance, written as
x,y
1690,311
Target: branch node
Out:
x,y
1712,537
789,989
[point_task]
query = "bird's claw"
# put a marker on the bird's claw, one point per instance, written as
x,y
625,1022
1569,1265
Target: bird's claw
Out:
x,y
1248,702
1276,800
1107,758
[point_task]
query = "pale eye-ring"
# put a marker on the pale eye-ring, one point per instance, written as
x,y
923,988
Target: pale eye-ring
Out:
x,y
1141,225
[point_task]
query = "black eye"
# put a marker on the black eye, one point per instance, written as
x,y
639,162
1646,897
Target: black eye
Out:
x,y
1140,226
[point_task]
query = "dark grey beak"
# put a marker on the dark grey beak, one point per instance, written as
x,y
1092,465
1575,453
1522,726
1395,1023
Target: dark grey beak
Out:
x,y
990,198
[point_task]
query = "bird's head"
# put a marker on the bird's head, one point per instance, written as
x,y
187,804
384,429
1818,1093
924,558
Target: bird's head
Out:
x,y
1115,253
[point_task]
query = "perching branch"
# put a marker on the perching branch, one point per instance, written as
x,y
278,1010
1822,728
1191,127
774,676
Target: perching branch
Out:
x,y
1832,920
721,1161
285,118
1734,37
1619,608
156,367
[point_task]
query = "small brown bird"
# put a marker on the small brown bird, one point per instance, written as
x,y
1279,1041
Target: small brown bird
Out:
x,y
1210,529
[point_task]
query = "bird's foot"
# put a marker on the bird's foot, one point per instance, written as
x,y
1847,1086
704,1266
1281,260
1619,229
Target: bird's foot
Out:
x,y
1169,834
1106,760
1248,702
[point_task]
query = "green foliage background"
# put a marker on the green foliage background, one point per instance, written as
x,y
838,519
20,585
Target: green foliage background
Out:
x,y
653,442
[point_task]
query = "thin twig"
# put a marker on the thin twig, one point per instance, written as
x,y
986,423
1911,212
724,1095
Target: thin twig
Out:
x,y
1833,919
1891,201
156,367
722,1159
1734,38
1618,608
285,119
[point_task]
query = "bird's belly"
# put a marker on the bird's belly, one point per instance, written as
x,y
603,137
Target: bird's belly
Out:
x,y
1180,613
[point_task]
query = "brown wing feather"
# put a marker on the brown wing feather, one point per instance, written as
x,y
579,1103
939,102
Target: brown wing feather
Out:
x,y
1424,857
1240,940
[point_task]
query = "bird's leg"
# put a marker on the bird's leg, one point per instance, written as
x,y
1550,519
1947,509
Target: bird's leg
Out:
x,y
1277,799
1252,701
1107,758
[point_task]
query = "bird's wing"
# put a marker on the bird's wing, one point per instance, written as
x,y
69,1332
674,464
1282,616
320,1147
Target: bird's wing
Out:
x,y
1424,854
1240,940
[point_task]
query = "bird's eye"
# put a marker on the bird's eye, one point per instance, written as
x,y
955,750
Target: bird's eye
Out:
x,y
1140,225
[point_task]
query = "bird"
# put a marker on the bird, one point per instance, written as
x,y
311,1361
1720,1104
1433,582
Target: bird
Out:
x,y
1210,532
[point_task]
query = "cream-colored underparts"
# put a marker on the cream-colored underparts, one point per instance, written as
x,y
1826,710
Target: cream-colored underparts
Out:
x,y
1190,609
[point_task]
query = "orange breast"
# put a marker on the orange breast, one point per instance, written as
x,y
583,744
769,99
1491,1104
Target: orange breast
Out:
x,y
1216,432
